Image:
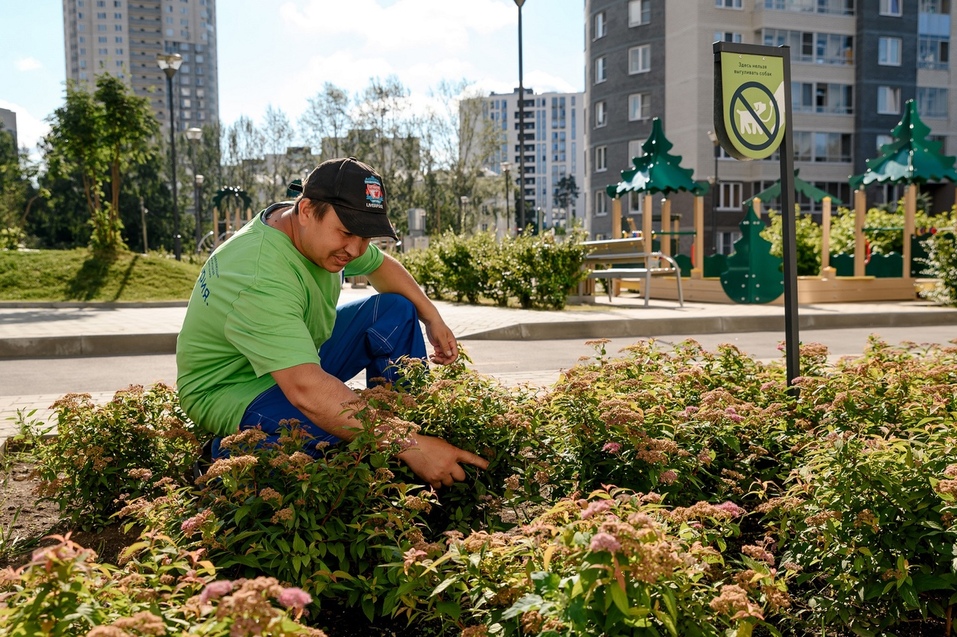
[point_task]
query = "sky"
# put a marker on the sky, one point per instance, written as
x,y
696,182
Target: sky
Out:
x,y
282,52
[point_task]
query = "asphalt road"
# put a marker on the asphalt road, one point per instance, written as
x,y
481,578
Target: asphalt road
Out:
x,y
535,361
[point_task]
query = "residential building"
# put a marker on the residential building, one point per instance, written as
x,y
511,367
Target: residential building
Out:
x,y
551,143
123,38
854,63
8,123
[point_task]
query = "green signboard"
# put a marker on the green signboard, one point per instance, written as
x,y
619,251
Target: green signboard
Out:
x,y
749,100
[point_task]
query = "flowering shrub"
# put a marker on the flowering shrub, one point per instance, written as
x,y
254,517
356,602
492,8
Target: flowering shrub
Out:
x,y
104,454
162,590
719,502
615,563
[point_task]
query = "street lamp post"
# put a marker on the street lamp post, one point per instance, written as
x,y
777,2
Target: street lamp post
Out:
x,y
506,166
714,194
521,122
194,135
464,201
170,63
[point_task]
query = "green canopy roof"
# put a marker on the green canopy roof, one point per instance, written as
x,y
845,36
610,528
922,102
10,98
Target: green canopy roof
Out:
x,y
656,170
801,186
910,159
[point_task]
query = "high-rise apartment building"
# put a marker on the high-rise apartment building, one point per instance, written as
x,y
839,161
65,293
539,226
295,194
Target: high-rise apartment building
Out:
x,y
854,63
123,38
551,143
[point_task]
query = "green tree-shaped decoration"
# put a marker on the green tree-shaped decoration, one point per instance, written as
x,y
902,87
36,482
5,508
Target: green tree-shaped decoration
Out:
x,y
754,274
910,158
657,171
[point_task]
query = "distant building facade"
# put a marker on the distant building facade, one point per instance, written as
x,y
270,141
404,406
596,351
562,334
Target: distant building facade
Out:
x,y
552,147
123,38
854,63
8,119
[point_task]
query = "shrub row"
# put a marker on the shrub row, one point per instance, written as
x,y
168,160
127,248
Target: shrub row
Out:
x,y
536,271
662,491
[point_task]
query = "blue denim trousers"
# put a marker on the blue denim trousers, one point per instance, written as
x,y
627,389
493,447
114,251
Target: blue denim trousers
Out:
x,y
370,334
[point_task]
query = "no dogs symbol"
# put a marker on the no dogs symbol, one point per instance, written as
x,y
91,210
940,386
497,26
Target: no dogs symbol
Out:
x,y
755,116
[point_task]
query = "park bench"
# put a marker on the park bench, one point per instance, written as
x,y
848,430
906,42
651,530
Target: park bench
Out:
x,y
621,257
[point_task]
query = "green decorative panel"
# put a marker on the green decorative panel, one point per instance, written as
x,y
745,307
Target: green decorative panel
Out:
x,y
754,274
715,265
684,264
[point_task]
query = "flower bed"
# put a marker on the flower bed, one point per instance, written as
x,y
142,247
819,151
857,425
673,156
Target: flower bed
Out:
x,y
662,491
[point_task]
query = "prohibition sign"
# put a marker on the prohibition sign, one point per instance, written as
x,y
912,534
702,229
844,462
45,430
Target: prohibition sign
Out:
x,y
739,97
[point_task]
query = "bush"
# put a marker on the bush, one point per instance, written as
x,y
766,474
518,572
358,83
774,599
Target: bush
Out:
x,y
807,239
102,455
536,271
941,264
882,241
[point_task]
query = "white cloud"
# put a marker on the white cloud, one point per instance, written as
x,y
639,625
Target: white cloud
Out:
x,y
28,64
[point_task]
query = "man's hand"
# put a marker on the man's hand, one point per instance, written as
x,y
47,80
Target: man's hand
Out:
x,y
437,462
443,341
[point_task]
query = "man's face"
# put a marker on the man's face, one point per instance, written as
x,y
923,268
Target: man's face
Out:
x,y
326,242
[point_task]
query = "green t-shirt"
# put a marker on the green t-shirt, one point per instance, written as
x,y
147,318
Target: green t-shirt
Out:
x,y
258,306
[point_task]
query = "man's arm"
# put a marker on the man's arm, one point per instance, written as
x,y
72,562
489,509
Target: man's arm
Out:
x,y
324,399
391,277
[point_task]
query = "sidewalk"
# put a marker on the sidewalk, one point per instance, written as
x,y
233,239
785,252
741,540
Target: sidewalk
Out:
x,y
71,330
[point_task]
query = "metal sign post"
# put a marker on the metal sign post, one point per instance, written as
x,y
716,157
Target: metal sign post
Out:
x,y
752,119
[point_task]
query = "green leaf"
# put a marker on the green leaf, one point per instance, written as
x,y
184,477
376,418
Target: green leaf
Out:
x,y
620,597
449,608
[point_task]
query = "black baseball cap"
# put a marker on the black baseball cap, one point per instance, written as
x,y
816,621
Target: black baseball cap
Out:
x,y
355,191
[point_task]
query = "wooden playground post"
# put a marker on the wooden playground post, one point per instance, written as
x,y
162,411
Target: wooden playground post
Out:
x,y
697,268
827,271
616,218
910,209
860,214
215,227
665,240
647,237
756,206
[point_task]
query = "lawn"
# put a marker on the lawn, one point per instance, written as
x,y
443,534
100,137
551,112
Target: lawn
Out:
x,y
74,275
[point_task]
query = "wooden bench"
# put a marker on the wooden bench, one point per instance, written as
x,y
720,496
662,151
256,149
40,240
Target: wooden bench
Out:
x,y
613,252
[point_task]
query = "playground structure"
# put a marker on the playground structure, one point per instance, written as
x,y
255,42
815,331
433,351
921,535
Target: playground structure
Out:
x,y
910,159
235,207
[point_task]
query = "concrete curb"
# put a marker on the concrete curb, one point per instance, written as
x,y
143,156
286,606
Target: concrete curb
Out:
x,y
165,343
708,325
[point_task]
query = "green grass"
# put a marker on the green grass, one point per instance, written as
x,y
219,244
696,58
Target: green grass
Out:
x,y
74,275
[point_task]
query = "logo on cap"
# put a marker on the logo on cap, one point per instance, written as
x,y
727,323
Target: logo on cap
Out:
x,y
373,193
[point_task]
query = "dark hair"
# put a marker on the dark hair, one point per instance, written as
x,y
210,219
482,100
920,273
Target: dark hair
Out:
x,y
319,207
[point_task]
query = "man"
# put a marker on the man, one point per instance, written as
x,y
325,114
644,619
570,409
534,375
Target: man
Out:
x,y
263,340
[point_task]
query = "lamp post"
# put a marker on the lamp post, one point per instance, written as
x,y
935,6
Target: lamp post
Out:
x,y
464,201
170,63
194,135
506,166
521,122
714,194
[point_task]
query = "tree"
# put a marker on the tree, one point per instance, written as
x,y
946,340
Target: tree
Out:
x,y
242,150
277,137
97,138
566,194
17,192
327,118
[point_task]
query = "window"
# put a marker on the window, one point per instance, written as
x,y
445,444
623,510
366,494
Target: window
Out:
x,y
941,7
933,52
820,97
601,116
601,70
832,147
836,7
601,159
635,201
726,242
601,27
639,106
639,12
931,101
730,195
728,36
891,7
728,4
815,48
601,203
888,100
889,51
101,15
639,59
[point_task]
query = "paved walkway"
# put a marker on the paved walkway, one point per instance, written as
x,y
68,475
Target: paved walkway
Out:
x,y
68,330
